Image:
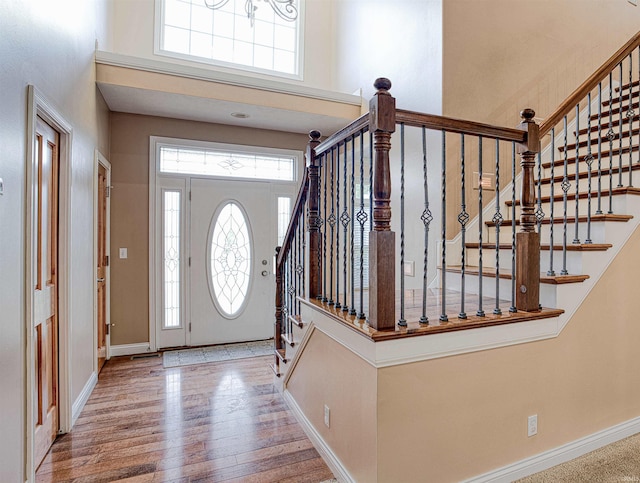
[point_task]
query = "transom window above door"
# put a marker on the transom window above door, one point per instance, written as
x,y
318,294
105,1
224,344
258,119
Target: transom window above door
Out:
x,y
257,35
226,161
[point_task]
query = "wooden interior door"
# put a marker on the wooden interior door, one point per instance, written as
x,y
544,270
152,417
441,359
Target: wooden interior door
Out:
x,y
46,290
103,263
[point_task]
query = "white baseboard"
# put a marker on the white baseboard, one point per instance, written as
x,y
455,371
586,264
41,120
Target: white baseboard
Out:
x,y
561,454
329,457
129,349
78,404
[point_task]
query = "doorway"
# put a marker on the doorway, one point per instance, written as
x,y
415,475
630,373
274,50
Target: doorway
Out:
x,y
102,216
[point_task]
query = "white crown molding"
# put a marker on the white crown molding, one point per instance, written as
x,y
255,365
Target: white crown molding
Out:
x,y
198,73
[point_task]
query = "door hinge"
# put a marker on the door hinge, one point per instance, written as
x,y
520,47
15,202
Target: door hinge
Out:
x,y
106,260
108,191
189,261
189,195
108,328
189,326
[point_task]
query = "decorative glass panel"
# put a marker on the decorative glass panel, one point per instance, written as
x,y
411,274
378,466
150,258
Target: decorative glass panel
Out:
x,y
284,216
227,35
230,259
210,162
171,258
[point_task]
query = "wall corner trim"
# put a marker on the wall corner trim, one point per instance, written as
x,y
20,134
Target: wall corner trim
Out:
x,y
560,454
79,403
329,457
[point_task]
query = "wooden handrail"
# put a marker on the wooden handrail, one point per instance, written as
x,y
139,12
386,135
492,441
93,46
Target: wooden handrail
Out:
x,y
346,132
587,86
431,121
297,208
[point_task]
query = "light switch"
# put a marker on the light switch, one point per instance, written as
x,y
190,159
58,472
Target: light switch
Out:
x,y
1,186
123,253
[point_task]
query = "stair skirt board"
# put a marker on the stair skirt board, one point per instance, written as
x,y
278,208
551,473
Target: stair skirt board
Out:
x,y
561,454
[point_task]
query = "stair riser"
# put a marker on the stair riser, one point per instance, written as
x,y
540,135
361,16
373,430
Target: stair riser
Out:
x,y
574,259
604,146
619,206
583,184
598,233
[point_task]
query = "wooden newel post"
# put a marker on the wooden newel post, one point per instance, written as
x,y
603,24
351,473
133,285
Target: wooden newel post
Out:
x,y
277,327
382,242
527,240
314,221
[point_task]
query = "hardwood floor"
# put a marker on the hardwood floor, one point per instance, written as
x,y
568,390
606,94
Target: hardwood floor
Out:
x,y
222,421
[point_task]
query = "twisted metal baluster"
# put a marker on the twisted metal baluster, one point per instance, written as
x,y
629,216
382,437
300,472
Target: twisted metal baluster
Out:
x,y
497,219
630,116
337,304
345,219
620,131
480,312
589,160
352,310
611,136
402,322
576,239
513,308
332,224
565,190
551,272
362,219
539,213
463,218
325,169
426,220
299,268
443,315
304,266
599,209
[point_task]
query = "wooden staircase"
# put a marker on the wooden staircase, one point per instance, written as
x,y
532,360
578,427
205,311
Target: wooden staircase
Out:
x,y
619,206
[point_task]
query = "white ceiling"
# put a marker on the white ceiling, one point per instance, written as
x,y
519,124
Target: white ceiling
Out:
x,y
156,103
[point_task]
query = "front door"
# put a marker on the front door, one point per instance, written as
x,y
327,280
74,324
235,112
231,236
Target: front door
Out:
x,y
232,240
45,290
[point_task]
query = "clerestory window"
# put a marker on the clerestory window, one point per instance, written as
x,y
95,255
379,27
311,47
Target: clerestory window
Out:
x,y
258,35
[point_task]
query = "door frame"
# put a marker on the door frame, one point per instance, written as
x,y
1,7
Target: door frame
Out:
x,y
101,160
39,106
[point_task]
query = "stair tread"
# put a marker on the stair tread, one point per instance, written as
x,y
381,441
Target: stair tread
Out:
x,y
603,138
594,172
506,274
282,355
578,247
628,190
287,339
604,154
626,86
572,219
616,110
615,123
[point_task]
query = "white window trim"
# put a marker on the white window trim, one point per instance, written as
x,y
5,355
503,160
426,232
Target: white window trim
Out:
x,y
213,63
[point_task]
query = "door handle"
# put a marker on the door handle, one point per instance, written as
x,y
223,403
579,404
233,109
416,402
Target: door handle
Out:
x,y
100,280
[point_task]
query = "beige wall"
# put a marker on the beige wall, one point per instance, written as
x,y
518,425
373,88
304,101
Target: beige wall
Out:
x,y
49,45
330,374
130,206
500,56
468,414
449,419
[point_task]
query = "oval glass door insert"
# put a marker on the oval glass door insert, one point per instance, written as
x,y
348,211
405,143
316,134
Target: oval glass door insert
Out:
x,y
230,256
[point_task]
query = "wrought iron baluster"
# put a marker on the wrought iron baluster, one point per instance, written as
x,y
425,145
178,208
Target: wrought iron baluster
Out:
x,y
539,213
304,266
620,131
332,224
325,171
551,272
337,304
443,289
576,238
589,160
611,136
565,190
630,116
513,308
402,322
463,219
352,310
345,219
426,221
298,263
497,219
599,209
362,219
480,311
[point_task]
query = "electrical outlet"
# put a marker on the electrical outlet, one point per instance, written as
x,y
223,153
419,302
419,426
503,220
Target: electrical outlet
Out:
x,y
327,415
532,425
